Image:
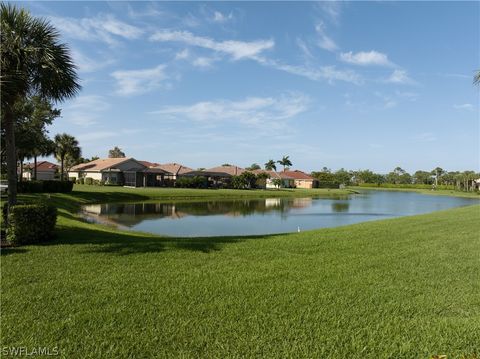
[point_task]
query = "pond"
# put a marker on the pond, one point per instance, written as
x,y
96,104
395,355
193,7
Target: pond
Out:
x,y
264,216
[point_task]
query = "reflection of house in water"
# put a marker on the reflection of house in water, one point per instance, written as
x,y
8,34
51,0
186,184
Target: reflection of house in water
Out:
x,y
273,202
301,202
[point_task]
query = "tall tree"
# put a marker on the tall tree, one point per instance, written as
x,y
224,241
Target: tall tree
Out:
x,y
285,162
66,151
271,165
437,172
116,152
476,78
33,61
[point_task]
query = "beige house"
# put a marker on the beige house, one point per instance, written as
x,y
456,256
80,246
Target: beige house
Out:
x,y
301,179
45,170
122,171
218,176
287,182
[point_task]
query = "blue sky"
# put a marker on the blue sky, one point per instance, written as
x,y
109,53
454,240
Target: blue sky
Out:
x,y
354,84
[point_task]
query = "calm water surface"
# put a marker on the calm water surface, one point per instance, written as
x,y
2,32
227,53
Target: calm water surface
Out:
x,y
262,216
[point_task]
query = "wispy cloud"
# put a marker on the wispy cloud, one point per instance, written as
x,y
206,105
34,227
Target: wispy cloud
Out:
x,y
101,135
85,110
465,106
324,41
221,18
87,64
259,112
134,82
366,58
236,49
318,73
330,9
399,77
103,28
424,137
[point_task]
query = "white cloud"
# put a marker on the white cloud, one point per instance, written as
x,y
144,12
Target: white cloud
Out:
x,y
133,82
182,55
85,110
331,8
236,49
221,18
400,77
260,112
324,41
203,61
328,73
465,106
303,46
104,28
101,135
365,58
87,64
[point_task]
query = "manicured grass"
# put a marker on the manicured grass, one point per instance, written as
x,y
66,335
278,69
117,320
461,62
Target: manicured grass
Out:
x,y
400,288
440,192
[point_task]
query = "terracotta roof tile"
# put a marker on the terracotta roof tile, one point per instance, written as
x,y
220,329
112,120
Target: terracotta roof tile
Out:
x,y
174,168
298,175
100,164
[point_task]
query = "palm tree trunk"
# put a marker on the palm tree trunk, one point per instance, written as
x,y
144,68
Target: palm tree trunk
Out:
x,y
11,159
35,167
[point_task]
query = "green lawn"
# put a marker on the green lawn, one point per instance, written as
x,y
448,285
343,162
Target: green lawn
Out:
x,y
440,192
399,288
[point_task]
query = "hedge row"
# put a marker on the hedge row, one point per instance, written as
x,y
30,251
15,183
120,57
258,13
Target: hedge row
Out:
x,y
45,186
29,223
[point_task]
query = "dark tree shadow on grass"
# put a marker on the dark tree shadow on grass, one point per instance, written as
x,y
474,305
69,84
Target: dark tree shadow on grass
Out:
x,y
12,250
123,243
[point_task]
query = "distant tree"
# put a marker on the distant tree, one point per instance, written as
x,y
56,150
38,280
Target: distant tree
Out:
x,y
422,177
253,167
476,78
33,61
277,182
270,165
226,165
343,176
116,153
285,162
437,172
67,151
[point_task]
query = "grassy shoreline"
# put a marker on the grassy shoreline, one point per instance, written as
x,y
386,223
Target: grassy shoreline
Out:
x,y
451,193
404,287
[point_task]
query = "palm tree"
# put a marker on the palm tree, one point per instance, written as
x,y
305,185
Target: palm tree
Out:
x,y
33,61
476,78
65,146
270,165
285,162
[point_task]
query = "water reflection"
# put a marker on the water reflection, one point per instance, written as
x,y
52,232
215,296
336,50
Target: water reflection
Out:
x,y
130,214
262,216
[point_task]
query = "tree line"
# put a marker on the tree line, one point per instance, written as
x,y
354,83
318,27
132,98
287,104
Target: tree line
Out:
x,y
459,180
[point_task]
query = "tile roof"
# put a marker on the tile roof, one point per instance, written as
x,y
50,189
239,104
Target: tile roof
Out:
x,y
42,166
299,175
273,174
174,168
148,164
100,164
228,170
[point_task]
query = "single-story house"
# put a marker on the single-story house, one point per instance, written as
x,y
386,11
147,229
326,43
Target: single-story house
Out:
x,y
218,176
45,170
287,181
149,164
174,170
122,171
301,179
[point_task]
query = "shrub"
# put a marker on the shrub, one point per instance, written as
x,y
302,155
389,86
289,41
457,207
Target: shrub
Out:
x,y
47,186
31,223
72,179
89,180
80,180
323,184
96,182
192,182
